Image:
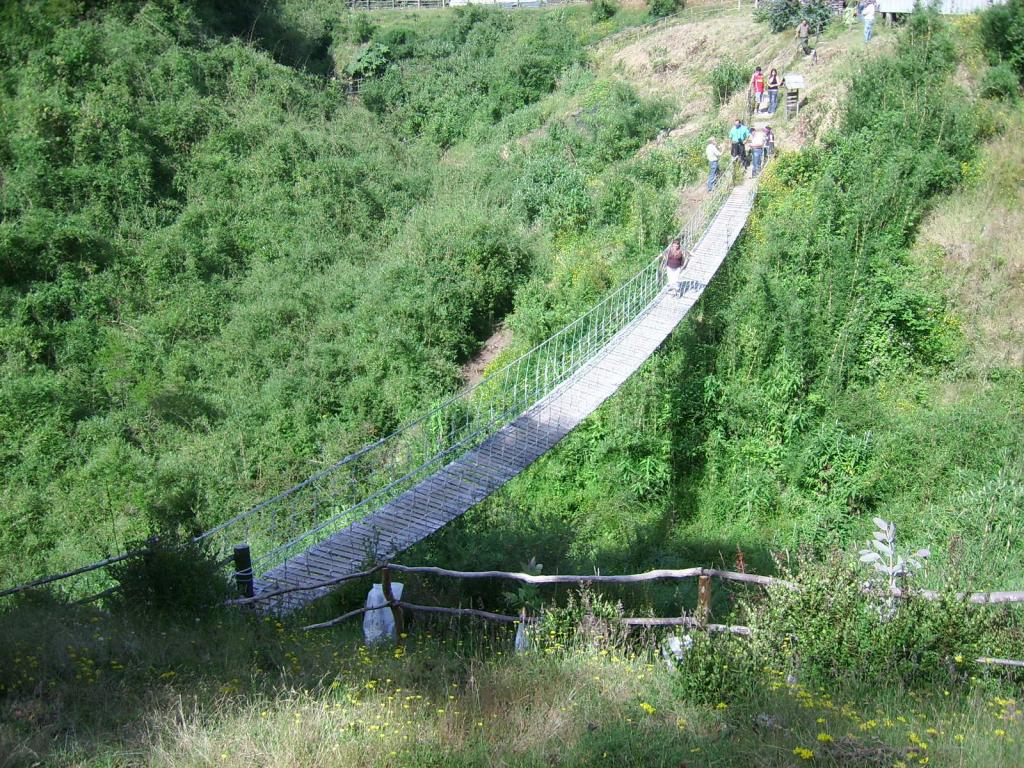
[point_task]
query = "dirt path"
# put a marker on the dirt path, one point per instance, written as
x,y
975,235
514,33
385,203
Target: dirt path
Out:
x,y
473,372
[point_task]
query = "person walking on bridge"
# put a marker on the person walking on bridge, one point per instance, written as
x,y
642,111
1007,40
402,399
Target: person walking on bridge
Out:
x,y
713,153
758,142
738,135
674,259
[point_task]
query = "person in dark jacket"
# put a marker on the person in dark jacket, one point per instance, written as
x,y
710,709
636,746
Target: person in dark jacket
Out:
x,y
774,82
674,259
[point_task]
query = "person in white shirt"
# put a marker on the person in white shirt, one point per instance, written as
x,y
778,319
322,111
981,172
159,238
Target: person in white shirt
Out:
x,y
758,141
868,14
713,153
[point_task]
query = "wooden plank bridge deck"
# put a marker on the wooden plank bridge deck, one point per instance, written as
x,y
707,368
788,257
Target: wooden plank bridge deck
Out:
x,y
454,489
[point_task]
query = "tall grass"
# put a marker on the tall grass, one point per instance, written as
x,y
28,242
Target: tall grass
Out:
x,y
83,688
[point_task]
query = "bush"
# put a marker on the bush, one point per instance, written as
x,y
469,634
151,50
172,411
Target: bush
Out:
x,y
716,669
362,29
1000,82
602,10
174,579
726,78
372,60
658,9
1002,31
781,15
830,629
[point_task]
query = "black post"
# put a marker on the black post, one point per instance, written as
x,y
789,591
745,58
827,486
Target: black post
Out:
x,y
243,569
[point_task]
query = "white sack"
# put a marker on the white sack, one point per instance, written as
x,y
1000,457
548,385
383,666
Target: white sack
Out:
x,y
379,624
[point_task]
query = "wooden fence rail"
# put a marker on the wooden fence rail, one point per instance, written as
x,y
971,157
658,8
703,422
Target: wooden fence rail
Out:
x,y
976,598
502,618
699,621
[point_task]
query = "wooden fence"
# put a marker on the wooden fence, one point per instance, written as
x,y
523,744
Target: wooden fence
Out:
x,y
700,619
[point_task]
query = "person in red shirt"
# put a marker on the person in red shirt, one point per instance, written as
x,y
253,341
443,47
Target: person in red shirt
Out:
x,y
757,88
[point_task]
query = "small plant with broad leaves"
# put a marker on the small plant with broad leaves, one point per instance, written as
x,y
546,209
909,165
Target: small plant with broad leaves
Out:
x,y
525,595
881,554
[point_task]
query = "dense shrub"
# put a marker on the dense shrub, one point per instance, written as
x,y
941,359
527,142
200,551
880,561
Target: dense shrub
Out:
x,y
658,9
715,670
602,10
1000,82
726,77
180,579
1002,31
830,629
782,15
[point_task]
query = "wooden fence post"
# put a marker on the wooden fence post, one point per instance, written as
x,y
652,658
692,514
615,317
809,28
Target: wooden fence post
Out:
x,y
703,599
396,610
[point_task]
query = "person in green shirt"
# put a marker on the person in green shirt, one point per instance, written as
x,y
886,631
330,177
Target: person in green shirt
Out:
x,y
738,135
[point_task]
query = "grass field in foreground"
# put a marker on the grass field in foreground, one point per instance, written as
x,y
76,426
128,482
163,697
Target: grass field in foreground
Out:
x,y
87,688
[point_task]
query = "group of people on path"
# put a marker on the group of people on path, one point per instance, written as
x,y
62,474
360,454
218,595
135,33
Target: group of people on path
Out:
x,y
748,146
761,144
752,146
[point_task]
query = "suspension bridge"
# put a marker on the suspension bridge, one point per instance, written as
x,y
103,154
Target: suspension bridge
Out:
x,y
397,491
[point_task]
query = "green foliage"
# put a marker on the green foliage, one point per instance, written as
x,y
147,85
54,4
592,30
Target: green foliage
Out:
x,y
658,9
487,66
362,28
830,629
372,60
725,78
602,10
785,15
1001,81
716,669
820,381
175,579
1002,32
585,618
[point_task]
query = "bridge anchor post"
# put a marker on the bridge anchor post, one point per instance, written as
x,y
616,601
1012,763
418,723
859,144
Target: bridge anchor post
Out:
x,y
243,569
